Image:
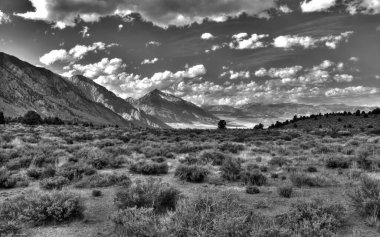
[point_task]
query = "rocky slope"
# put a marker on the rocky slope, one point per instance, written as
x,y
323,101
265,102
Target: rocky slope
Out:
x,y
26,87
100,94
171,109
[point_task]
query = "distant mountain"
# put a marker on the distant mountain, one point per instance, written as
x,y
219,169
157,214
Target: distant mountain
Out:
x,y
291,109
100,94
250,114
26,87
171,109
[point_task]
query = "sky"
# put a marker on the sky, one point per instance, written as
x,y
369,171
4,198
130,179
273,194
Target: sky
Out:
x,y
218,52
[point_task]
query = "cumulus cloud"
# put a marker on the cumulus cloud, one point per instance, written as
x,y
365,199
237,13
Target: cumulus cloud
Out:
x,y
161,12
152,44
351,91
307,42
242,41
207,36
364,6
74,54
317,5
120,27
343,78
4,18
233,75
285,72
149,61
285,9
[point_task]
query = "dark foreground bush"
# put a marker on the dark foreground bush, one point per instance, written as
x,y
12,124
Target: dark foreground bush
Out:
x,y
231,169
6,180
54,183
231,147
219,214
314,218
304,179
366,197
104,180
149,168
253,177
285,191
137,222
212,157
191,173
150,193
250,189
36,208
338,162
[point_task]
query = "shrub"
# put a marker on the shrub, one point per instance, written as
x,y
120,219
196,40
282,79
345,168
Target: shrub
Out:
x,y
285,191
231,147
149,168
366,197
75,171
253,177
303,179
274,175
32,118
104,180
191,173
6,180
213,157
54,183
2,119
38,208
337,162
9,228
37,173
231,169
279,161
150,193
136,222
218,214
251,189
96,193
312,169
314,218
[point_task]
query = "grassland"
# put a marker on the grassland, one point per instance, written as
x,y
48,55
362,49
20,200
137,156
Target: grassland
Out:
x,y
83,181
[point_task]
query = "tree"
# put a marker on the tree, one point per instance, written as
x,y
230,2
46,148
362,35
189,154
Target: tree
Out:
x,y
222,124
32,118
2,119
259,126
357,113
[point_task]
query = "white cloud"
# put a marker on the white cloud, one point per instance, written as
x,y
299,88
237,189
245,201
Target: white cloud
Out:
x,y
207,36
4,18
242,41
54,56
317,5
285,9
343,78
354,59
104,67
237,74
163,13
152,44
74,54
351,91
120,27
262,72
149,61
307,42
364,6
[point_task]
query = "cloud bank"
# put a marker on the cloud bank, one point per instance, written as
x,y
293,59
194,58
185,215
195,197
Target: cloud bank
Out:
x,y
161,12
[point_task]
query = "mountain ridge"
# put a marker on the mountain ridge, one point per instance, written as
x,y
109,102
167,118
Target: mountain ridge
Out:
x,y
26,87
100,94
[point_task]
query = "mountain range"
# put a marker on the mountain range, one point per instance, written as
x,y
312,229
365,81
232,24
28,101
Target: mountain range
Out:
x,y
26,87
172,110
